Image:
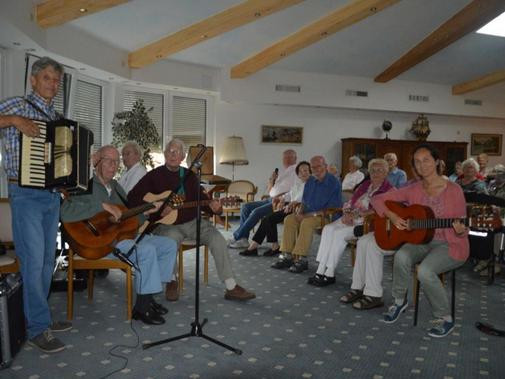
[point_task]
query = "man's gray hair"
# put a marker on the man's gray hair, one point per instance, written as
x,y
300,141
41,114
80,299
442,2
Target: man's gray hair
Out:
x,y
178,142
45,62
134,145
356,161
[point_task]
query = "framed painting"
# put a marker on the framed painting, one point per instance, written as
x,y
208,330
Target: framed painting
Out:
x,y
486,143
281,134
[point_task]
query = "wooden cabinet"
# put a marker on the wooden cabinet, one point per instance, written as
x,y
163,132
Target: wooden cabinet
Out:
x,y
368,148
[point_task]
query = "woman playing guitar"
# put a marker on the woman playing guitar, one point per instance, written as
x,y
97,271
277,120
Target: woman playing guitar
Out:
x,y
446,251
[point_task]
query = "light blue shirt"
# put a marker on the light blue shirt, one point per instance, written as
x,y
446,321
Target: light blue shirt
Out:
x,y
397,177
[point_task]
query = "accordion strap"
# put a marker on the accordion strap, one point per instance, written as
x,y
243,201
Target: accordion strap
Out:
x,y
37,108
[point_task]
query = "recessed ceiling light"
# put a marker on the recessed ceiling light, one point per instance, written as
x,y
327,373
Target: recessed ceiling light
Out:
x,y
82,68
83,10
16,43
495,28
30,50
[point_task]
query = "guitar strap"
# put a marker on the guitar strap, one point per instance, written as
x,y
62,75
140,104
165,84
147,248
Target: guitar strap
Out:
x,y
125,202
181,191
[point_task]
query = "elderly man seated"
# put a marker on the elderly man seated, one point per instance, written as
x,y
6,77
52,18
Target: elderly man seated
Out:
x,y
321,191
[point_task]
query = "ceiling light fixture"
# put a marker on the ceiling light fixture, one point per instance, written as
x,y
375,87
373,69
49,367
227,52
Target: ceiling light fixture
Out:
x,y
16,43
495,28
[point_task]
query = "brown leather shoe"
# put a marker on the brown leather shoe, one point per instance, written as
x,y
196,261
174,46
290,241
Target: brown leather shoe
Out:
x,y
239,293
172,291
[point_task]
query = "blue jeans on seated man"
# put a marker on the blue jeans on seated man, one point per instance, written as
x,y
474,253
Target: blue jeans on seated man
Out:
x,y
35,216
155,257
250,214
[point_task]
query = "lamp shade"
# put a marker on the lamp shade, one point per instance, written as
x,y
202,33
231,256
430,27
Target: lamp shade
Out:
x,y
234,152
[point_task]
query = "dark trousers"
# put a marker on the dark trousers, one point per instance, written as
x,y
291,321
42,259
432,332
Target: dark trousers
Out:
x,y
268,227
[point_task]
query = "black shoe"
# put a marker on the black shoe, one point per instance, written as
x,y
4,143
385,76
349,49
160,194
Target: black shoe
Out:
x,y
249,253
158,308
314,279
299,266
282,263
150,317
271,253
324,281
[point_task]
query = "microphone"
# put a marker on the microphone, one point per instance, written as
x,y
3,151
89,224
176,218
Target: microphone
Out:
x,y
125,258
276,171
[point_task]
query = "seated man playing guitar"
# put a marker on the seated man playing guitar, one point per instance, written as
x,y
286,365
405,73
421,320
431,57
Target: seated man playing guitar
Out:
x,y
446,251
168,177
154,256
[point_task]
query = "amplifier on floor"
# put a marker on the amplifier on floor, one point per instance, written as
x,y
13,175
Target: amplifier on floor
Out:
x,y
12,318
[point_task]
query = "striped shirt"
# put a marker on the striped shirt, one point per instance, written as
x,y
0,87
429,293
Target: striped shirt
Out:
x,y
19,107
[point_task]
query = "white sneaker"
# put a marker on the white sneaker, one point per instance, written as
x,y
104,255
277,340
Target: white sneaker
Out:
x,y
240,244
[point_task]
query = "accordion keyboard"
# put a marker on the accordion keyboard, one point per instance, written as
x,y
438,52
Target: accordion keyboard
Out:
x,y
35,154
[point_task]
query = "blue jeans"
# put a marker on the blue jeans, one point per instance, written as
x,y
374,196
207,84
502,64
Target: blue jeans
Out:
x,y
250,214
155,257
35,215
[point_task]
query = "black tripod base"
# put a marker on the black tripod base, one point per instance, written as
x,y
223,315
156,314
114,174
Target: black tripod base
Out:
x,y
196,331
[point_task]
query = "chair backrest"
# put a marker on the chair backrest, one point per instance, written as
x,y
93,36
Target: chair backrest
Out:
x,y
243,188
5,221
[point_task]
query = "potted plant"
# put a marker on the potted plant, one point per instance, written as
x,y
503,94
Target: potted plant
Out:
x,y
136,125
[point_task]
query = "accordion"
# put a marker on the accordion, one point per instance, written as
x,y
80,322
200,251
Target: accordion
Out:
x,y
58,158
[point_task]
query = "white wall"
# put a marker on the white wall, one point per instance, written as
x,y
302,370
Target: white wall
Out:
x,y
323,129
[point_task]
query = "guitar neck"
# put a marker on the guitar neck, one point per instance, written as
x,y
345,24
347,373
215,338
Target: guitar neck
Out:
x,y
436,223
193,204
135,211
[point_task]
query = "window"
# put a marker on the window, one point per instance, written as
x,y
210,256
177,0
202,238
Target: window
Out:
x,y
154,107
88,109
189,120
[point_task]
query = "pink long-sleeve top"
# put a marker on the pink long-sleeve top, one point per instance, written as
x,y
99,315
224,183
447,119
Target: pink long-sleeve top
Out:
x,y
449,204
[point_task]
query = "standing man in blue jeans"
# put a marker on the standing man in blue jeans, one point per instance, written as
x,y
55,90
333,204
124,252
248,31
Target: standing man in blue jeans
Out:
x,y
279,183
35,212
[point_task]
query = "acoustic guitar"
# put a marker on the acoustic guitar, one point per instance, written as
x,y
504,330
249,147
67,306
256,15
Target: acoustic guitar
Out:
x,y
95,237
422,224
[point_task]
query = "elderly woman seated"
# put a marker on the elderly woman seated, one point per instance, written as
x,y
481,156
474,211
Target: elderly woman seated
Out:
x,y
470,181
353,177
335,235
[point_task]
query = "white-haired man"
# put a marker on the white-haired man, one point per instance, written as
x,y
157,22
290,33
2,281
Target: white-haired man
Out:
x,y
170,176
131,155
397,177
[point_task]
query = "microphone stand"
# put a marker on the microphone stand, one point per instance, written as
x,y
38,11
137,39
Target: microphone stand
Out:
x,y
196,326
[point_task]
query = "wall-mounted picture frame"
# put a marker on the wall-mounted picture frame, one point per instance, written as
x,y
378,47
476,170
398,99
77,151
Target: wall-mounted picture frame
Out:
x,y
486,143
281,134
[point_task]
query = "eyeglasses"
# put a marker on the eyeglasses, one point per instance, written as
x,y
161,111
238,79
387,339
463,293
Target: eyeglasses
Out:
x,y
173,151
377,171
110,161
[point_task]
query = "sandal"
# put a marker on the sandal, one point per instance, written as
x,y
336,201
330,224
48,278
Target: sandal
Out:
x,y
368,302
351,296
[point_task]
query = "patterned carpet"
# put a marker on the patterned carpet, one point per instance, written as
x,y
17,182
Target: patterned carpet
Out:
x,y
291,330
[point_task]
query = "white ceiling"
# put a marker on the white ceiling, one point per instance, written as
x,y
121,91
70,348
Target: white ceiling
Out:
x,y
364,49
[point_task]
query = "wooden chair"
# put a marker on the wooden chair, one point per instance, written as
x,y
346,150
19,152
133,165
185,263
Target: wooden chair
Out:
x,y
8,262
185,246
353,243
245,189
416,292
75,262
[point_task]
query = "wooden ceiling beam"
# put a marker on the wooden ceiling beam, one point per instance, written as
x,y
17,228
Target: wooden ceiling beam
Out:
x,y
339,19
470,18
57,12
475,84
222,22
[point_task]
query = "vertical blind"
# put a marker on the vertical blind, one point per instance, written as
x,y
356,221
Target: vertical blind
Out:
x,y
154,107
88,109
189,118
